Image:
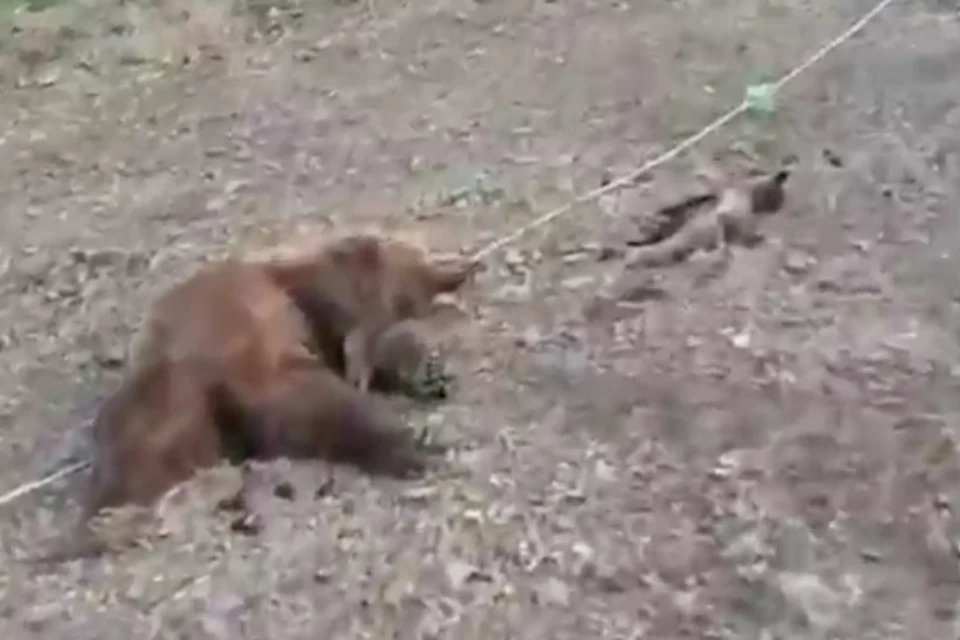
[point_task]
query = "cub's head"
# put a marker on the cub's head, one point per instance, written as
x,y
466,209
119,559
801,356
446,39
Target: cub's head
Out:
x,y
401,270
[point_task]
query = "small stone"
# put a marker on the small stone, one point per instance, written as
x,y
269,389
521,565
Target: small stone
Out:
x,y
608,253
513,258
236,502
574,257
796,263
574,496
110,357
513,293
941,502
459,573
530,337
741,340
583,550
861,246
101,258
325,488
745,547
285,491
642,292
871,555
579,282
419,494
832,158
248,524
605,471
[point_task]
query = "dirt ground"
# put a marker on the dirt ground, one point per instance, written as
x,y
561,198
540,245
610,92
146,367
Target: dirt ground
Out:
x,y
771,452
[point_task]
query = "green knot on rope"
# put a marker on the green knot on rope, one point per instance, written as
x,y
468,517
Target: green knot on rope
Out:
x,y
760,99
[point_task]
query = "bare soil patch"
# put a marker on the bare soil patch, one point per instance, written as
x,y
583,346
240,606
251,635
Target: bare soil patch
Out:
x,y
769,452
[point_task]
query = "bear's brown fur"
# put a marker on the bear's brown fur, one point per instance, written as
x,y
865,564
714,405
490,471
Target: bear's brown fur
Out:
x,y
355,287
225,367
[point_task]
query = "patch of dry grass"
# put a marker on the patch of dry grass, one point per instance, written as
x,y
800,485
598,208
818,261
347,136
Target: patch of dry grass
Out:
x,y
662,473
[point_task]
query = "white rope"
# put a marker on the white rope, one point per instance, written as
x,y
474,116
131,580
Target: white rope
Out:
x,y
30,487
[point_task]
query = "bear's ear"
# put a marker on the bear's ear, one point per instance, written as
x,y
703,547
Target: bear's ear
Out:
x,y
447,274
360,250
